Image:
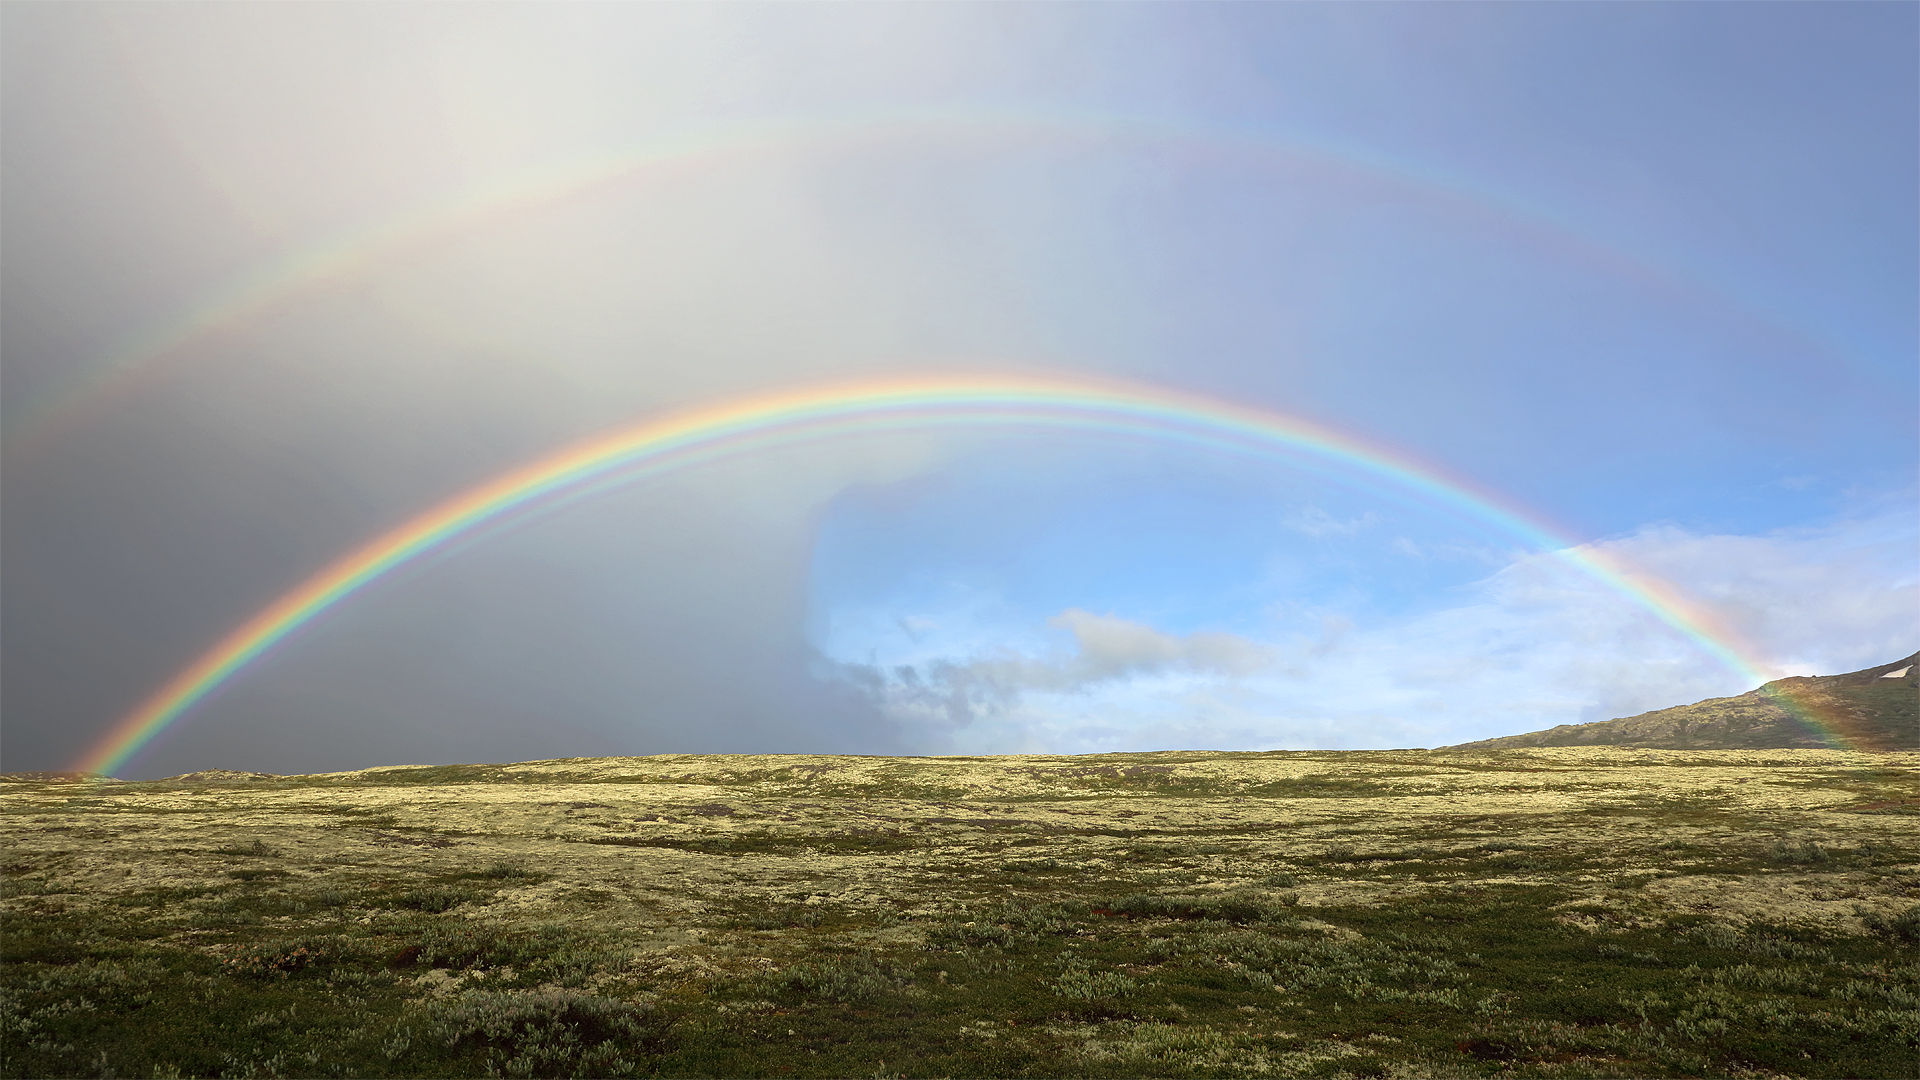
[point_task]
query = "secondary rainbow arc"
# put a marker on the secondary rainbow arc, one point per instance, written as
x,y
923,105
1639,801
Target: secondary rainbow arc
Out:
x,y
745,425
344,255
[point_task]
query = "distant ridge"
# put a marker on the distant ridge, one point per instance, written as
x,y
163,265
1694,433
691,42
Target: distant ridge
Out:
x,y
1869,709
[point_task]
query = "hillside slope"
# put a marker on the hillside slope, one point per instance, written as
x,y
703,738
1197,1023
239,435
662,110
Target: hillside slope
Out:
x,y
1864,709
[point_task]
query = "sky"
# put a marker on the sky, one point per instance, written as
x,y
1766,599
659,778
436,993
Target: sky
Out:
x,y
279,278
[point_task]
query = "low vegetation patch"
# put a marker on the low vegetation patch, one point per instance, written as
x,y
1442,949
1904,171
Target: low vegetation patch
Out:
x,y
528,1033
1243,907
841,979
1561,913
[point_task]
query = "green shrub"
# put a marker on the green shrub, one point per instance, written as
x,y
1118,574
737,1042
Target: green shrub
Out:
x,y
1524,1040
504,870
1013,923
1715,935
1081,983
1800,853
1145,853
11,887
1790,979
1900,926
279,959
437,898
548,953
839,978
469,945
1361,969
1242,907
548,1032
256,874
1896,996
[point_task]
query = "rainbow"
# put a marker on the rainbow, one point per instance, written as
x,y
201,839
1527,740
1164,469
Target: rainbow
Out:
x,y
744,425
278,282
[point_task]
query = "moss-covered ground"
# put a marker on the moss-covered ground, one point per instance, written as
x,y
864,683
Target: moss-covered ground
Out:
x,y
1544,912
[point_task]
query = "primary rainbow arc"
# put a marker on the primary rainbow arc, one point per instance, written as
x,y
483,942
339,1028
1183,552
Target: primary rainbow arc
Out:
x,y
751,423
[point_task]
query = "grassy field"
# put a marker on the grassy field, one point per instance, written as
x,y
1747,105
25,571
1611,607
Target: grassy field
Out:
x,y
1547,912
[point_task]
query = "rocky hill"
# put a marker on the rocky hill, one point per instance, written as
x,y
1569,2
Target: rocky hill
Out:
x,y
1877,708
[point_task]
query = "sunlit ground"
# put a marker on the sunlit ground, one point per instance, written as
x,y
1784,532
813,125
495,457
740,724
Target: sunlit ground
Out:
x,y
1553,912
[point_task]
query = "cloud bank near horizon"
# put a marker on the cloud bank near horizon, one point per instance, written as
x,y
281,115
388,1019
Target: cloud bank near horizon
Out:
x,y
1530,646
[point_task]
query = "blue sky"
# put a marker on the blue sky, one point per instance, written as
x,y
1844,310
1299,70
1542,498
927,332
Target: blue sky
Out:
x,y
1648,271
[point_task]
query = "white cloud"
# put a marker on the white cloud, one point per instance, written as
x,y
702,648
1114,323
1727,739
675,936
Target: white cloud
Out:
x,y
1807,600
1112,647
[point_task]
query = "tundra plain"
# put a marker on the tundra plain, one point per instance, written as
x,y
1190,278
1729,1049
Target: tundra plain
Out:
x,y
1590,911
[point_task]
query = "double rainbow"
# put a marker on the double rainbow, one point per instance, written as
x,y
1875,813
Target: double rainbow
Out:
x,y
745,425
